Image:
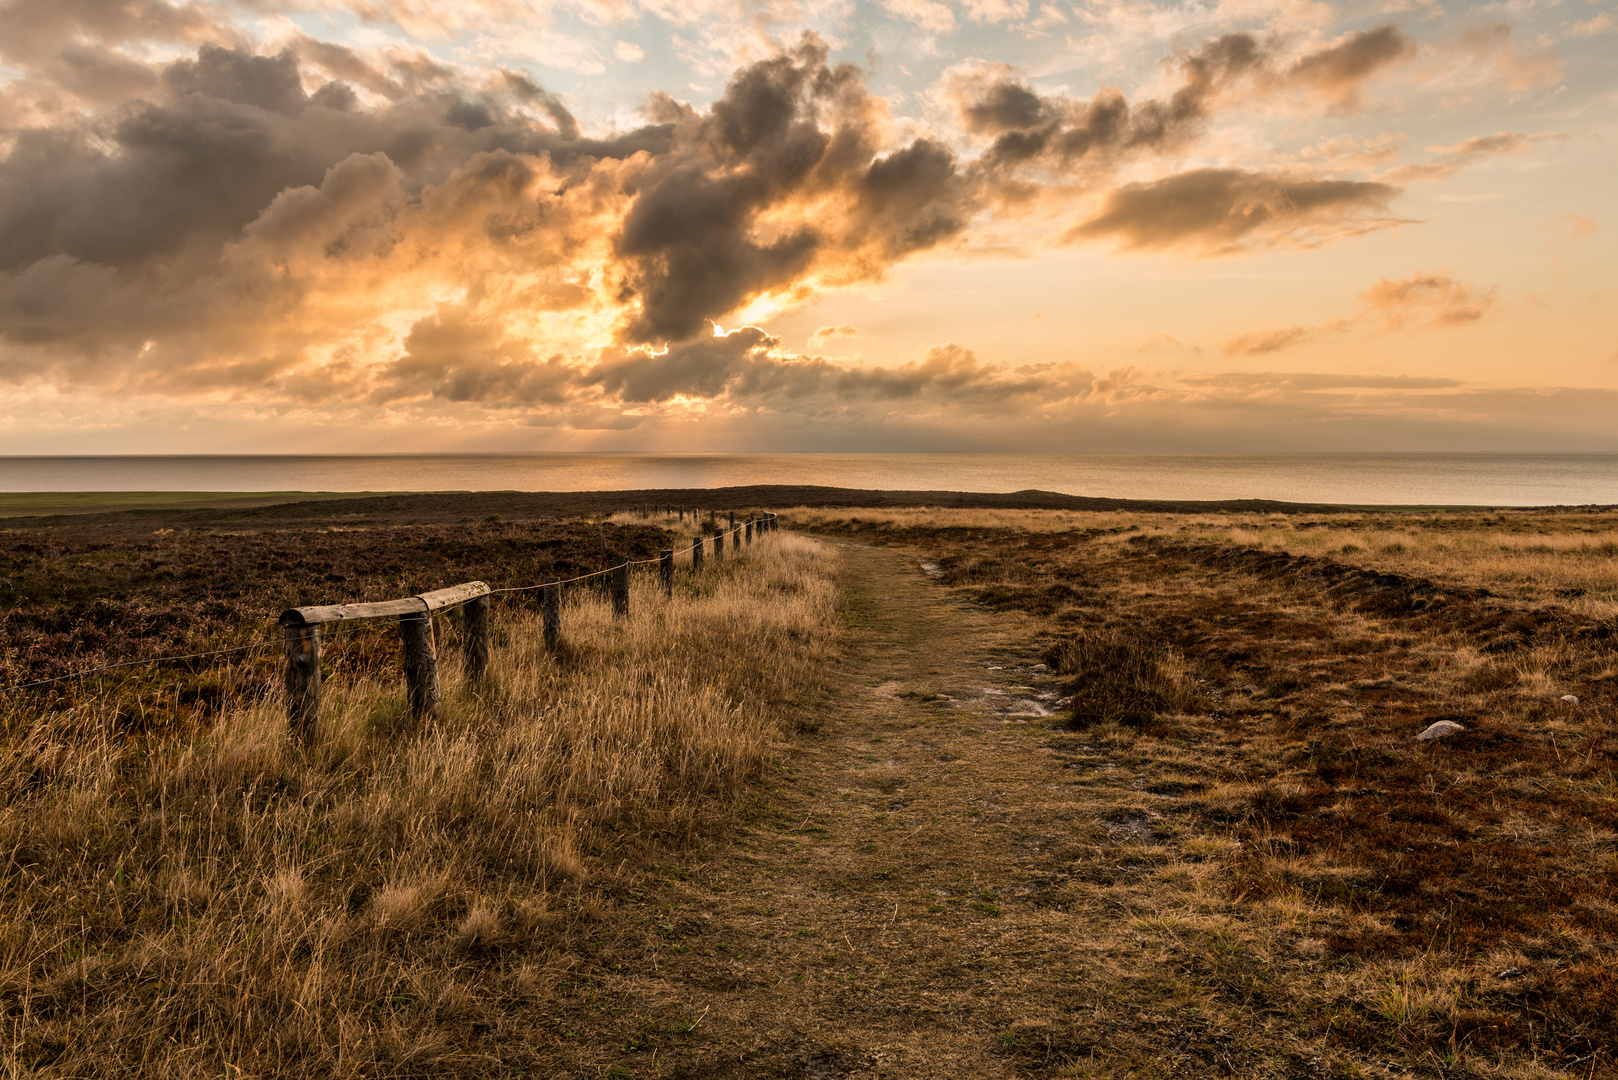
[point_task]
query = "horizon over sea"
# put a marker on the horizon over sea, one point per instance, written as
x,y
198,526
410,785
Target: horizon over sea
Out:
x,y
1363,479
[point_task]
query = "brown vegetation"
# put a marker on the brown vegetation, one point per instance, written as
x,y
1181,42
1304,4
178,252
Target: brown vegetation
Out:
x,y
232,903
1450,903
76,595
1224,854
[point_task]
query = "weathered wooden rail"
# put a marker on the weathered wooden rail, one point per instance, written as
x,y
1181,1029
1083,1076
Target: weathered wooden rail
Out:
x,y
302,625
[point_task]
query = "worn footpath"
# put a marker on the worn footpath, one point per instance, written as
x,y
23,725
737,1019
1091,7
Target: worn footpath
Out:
x,y
907,896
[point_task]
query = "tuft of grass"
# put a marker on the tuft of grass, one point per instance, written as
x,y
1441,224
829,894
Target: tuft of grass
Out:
x,y
1116,677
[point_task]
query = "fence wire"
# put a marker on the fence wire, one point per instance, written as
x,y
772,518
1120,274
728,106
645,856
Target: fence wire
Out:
x,y
325,635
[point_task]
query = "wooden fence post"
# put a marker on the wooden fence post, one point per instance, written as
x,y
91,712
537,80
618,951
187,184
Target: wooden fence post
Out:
x,y
718,547
665,570
620,590
420,662
550,603
303,680
733,519
696,555
475,623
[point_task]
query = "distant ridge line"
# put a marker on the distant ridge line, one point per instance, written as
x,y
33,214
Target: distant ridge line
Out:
x,y
296,509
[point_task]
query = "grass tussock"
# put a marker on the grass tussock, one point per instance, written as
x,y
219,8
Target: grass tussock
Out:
x,y
1118,677
383,902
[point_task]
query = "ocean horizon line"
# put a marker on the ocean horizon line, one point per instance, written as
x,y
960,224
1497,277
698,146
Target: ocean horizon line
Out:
x,y
1385,478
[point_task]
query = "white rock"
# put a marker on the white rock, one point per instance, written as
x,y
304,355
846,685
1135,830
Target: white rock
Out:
x,y
1439,730
1570,699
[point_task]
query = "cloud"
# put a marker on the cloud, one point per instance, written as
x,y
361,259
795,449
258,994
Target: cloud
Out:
x,y
316,224
1424,301
929,16
1449,160
1167,344
1595,25
1220,211
265,82
32,32
748,366
1268,341
949,376
698,369
1056,132
629,52
1026,128
1314,381
1564,235
995,11
235,208
1338,73
781,184
1575,227
1482,59
454,356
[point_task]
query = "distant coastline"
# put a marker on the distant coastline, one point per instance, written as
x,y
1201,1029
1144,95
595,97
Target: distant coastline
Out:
x,y
70,483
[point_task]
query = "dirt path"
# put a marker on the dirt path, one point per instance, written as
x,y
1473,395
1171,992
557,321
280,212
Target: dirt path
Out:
x,y
901,900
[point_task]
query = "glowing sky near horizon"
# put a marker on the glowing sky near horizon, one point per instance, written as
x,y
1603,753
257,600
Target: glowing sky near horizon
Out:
x,y
1081,225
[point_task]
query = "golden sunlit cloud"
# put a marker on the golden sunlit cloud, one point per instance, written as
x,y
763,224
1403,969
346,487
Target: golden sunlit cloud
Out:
x,y
1425,301
219,207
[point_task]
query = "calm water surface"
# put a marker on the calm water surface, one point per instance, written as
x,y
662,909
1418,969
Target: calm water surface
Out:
x,y
1360,479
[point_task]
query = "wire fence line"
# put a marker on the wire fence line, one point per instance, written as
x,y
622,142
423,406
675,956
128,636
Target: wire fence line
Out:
x,y
734,530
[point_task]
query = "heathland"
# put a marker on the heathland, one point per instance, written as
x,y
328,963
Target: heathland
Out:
x,y
991,790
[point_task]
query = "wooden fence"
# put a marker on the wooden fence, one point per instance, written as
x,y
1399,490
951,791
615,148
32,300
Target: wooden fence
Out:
x,y
302,625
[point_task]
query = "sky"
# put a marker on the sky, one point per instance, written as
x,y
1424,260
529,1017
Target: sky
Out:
x,y
705,225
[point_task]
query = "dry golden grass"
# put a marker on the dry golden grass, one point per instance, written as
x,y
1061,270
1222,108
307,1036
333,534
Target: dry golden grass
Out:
x,y
238,905
1301,887
1567,557
936,518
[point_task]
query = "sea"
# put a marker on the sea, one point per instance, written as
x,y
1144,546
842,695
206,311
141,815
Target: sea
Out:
x,y
1392,479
